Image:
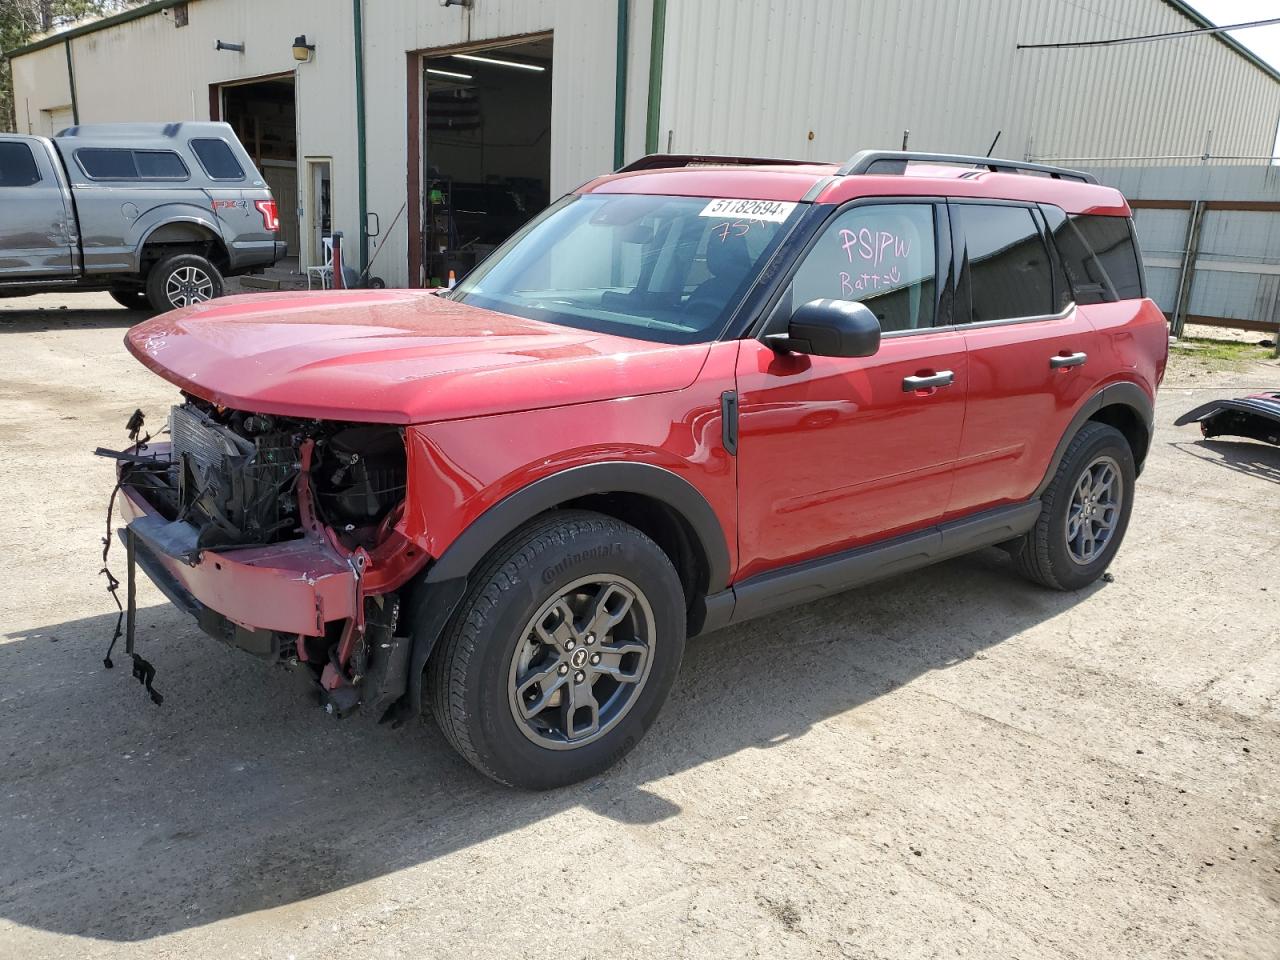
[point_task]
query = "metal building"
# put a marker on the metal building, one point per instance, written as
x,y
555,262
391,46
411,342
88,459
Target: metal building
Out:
x,y
379,118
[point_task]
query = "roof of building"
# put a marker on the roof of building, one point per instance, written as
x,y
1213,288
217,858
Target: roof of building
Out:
x,y
136,13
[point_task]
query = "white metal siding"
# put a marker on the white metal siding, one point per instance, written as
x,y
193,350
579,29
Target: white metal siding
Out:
x,y
757,76
740,76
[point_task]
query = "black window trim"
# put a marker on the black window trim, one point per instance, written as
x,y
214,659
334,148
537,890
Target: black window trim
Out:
x,y
767,316
133,151
966,309
1140,264
35,163
244,174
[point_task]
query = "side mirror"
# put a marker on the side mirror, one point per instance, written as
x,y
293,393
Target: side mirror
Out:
x,y
830,328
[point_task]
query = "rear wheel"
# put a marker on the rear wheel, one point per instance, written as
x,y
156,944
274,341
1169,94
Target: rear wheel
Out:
x,y
562,652
1085,513
182,280
133,299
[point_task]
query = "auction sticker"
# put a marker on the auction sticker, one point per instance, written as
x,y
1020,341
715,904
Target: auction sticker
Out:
x,y
770,211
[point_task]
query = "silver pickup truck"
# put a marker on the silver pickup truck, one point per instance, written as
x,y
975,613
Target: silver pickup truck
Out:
x,y
155,213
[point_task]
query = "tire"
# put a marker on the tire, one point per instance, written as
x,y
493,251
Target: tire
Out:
x,y
133,299
479,676
1047,554
182,280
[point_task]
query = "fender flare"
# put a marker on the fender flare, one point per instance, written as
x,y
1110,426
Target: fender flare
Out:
x,y
442,588
608,477
167,215
1124,393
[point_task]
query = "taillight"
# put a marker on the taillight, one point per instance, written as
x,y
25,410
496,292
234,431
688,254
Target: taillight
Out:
x,y
270,216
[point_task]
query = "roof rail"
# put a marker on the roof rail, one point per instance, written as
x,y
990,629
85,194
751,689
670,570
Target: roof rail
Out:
x,y
655,161
895,162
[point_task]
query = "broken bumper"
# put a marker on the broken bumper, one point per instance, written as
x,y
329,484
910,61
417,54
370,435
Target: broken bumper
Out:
x,y
295,587
1256,417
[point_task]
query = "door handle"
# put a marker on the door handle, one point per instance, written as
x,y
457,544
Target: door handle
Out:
x,y
943,378
1067,360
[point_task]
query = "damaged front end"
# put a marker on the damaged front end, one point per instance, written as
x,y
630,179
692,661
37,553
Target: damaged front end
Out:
x,y
281,537
1256,417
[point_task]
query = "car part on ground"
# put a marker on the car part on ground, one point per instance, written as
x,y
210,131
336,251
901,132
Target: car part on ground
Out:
x,y
1256,417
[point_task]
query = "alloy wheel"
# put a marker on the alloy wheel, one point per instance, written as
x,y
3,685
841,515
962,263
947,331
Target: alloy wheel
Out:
x,y
1094,512
581,662
187,286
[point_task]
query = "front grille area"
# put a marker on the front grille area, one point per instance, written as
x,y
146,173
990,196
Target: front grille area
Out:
x,y
236,476
195,436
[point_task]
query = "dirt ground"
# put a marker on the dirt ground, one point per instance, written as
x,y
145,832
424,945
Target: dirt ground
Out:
x,y
951,763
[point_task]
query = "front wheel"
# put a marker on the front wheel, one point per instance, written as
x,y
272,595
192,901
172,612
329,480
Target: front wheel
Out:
x,y
561,653
1085,513
182,280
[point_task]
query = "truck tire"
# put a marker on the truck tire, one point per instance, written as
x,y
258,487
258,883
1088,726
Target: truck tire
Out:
x,y
182,280
562,652
1085,513
133,299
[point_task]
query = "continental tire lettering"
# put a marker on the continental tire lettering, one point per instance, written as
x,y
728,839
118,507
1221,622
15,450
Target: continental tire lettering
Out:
x,y
595,553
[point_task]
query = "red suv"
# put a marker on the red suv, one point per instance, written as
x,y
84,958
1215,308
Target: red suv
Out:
x,y
693,392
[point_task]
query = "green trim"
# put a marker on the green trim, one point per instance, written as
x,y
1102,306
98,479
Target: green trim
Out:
x,y
137,13
620,87
71,82
656,41
362,174
1196,17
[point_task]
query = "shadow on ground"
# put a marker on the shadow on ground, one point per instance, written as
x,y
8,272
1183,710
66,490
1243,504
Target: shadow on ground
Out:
x,y
1249,457
41,320
125,821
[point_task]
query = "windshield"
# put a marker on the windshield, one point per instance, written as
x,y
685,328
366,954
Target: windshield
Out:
x,y
670,269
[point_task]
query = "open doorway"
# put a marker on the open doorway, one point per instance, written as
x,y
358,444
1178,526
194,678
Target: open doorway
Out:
x,y
263,114
486,164
318,200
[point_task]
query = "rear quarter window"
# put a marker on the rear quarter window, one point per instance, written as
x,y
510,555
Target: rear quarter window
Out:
x,y
218,159
17,165
1100,258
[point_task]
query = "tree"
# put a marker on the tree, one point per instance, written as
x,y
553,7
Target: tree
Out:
x,y
23,20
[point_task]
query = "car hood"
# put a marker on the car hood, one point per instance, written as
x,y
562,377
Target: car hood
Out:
x,y
395,356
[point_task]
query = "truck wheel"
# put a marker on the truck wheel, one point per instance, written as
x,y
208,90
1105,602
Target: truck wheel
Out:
x,y
133,299
562,651
1085,513
182,280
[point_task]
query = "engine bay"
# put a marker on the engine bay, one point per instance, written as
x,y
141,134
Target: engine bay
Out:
x,y
236,476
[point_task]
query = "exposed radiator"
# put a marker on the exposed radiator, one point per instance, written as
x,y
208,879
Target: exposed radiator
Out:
x,y
205,443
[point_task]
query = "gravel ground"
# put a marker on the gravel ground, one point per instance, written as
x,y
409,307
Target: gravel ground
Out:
x,y
951,763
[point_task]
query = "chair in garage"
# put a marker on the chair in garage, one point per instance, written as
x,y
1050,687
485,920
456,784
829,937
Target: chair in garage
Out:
x,y
324,272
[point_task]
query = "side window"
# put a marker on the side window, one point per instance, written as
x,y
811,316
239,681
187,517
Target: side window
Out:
x,y
217,159
102,164
1100,258
1009,271
880,254
17,165
160,165
118,164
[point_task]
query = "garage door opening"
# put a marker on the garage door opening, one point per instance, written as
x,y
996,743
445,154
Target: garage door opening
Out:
x,y
486,166
263,114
